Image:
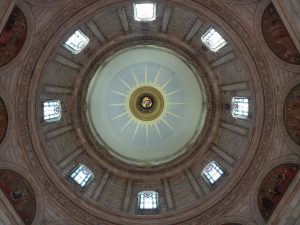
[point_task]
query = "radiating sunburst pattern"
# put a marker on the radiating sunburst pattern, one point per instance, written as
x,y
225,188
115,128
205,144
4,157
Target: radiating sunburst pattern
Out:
x,y
145,106
136,77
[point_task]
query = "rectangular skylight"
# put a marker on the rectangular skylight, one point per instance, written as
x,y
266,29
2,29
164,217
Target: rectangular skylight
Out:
x,y
76,42
144,12
213,40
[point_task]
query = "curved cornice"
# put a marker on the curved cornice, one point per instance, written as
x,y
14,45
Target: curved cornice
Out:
x,y
15,62
264,118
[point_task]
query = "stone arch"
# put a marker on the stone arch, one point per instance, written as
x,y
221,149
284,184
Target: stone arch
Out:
x,y
3,120
277,37
13,36
6,110
17,33
266,185
266,46
291,114
20,190
282,116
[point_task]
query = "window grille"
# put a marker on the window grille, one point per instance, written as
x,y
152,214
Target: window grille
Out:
x,y
213,40
240,107
52,110
82,175
76,42
148,202
212,172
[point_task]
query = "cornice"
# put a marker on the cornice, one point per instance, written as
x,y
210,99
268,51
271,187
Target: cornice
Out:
x,y
261,140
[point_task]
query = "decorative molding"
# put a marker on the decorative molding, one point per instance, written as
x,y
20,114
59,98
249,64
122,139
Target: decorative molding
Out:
x,y
168,194
199,213
279,114
38,194
262,43
11,119
166,19
19,59
100,186
96,31
263,173
193,30
123,19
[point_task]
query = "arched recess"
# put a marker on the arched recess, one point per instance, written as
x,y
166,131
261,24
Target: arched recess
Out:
x,y
3,120
270,186
15,37
6,119
291,114
21,190
287,108
275,36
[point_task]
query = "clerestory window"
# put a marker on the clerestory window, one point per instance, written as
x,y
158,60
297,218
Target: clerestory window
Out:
x,y
148,202
212,172
82,175
51,110
144,12
213,40
240,107
76,42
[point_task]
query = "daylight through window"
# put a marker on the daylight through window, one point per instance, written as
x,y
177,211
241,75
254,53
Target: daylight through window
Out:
x,y
212,172
144,11
52,110
77,42
148,200
82,175
240,107
213,40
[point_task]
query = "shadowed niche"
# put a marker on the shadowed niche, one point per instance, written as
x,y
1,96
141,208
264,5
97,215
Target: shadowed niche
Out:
x,y
277,36
273,188
291,115
3,120
13,36
19,193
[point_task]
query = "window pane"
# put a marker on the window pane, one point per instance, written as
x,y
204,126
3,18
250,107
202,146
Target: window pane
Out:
x,y
144,11
148,200
76,42
213,40
240,107
212,172
81,175
52,110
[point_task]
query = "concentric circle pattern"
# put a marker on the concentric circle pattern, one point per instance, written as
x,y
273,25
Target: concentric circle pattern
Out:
x,y
148,108
146,103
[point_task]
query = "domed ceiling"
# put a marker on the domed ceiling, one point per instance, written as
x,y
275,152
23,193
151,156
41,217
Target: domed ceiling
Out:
x,y
144,107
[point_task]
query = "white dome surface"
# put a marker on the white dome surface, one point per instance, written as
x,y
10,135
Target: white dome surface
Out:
x,y
120,131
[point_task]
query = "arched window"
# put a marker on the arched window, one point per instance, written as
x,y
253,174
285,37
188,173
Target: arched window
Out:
x,y
52,110
240,107
148,202
76,42
212,172
82,175
213,40
144,12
